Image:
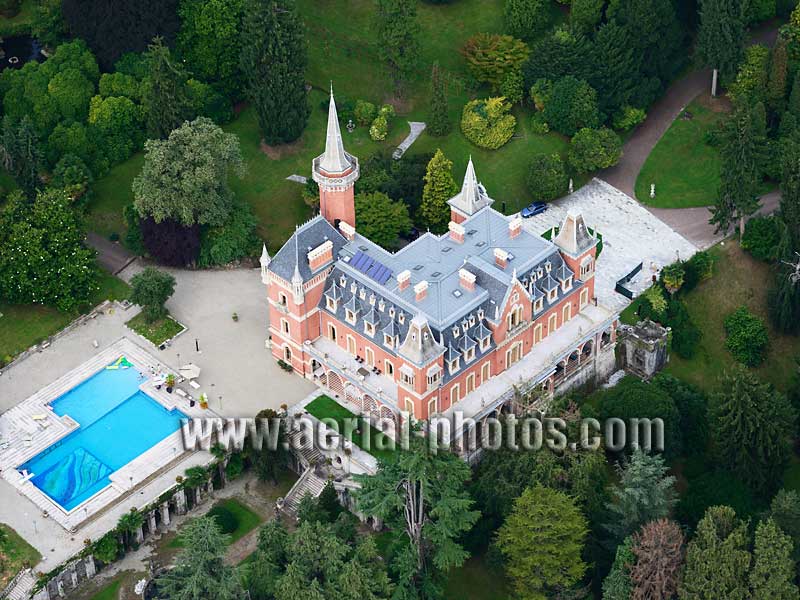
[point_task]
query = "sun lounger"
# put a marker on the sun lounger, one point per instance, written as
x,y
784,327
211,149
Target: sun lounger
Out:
x,y
180,392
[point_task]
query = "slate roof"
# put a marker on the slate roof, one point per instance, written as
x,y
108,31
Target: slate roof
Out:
x,y
307,237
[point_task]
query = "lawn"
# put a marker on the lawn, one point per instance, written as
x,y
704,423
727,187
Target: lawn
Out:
x,y
324,407
157,332
684,168
22,326
241,518
110,592
738,279
15,554
19,23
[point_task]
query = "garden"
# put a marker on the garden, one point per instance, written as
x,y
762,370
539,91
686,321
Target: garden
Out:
x,y
15,554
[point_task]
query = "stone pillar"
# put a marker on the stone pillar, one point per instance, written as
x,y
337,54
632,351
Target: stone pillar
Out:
x,y
210,488
73,575
90,567
198,494
165,514
139,535
60,585
223,479
180,502
151,521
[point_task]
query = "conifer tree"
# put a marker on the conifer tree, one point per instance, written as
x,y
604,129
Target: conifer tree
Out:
x,y
776,83
274,59
773,573
783,298
721,35
439,122
165,98
542,540
790,191
617,584
785,511
717,559
20,154
439,188
744,151
398,39
793,106
658,548
750,425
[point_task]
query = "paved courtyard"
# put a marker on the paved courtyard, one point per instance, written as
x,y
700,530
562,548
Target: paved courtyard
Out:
x,y
631,235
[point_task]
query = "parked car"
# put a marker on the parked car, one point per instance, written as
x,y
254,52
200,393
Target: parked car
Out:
x,y
534,209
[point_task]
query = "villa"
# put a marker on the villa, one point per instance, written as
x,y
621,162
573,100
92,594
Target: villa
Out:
x,y
459,322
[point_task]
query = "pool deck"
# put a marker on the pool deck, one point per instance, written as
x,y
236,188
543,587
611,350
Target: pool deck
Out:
x,y
32,426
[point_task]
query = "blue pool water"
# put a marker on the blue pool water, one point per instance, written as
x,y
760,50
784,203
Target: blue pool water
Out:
x,y
117,424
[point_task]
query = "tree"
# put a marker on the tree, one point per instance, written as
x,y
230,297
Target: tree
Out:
x,y
773,574
20,153
692,406
169,242
439,188
717,559
398,39
572,106
777,79
486,123
210,41
542,541
111,28
790,189
526,19
750,86
785,511
164,97
381,219
439,121
658,548
750,426
491,57
547,177
185,177
420,495
42,256
743,150
269,459
273,60
673,276
200,571
47,24
617,584
128,524
615,74
585,15
747,338
151,289
592,149
645,493
712,488
116,124
73,176
721,36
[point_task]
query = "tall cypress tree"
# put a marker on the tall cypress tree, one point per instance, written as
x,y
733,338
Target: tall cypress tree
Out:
x,y
776,84
398,39
721,35
274,59
439,188
439,124
744,151
165,98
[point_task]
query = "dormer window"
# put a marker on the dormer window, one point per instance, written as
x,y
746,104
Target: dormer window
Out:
x,y
469,354
372,299
388,341
567,284
381,305
552,295
453,365
587,266
362,294
480,314
343,281
539,273
401,318
456,331
472,320
330,303
353,287
391,312
485,343
538,305
369,328
548,267
464,327
350,316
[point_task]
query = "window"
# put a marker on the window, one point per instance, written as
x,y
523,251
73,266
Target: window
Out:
x,y
486,372
389,368
284,326
453,365
350,316
409,406
566,313
287,354
331,332
587,266
351,345
485,343
456,331
282,300
432,408
330,303
584,297
469,354
369,328
567,285
552,295
552,323
538,305
370,357
402,318
470,384
548,267
388,341
515,317
362,294
434,375
537,333
455,394
407,377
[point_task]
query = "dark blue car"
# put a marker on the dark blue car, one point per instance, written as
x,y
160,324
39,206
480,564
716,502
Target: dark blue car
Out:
x,y
534,209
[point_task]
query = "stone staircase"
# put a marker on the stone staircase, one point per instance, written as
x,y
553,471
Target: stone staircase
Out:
x,y
21,586
309,483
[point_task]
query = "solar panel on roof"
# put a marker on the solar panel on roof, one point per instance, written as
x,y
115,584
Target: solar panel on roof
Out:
x,y
367,264
358,259
380,272
386,277
372,268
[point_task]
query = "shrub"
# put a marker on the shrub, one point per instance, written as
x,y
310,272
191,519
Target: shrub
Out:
x,y
673,276
387,111
538,124
106,549
486,123
512,87
751,80
761,10
654,295
365,112
540,93
225,519
761,238
206,101
629,117
572,105
547,177
232,241
592,149
235,464
133,237
490,57
697,269
685,334
527,19
72,174
379,129
747,338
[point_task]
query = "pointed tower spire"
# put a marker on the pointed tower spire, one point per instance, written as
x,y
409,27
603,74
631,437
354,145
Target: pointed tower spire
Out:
x,y
336,172
471,198
264,260
297,279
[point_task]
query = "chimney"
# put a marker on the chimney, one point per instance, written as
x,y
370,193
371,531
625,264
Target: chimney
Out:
x,y
421,291
321,255
467,280
500,257
347,230
514,227
456,232
403,280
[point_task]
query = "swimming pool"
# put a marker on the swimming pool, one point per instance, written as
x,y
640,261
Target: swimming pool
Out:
x,y
117,422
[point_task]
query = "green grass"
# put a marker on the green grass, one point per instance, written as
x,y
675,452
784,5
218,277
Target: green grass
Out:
x,y
16,554
738,279
476,580
22,326
326,407
684,168
19,23
157,332
110,195
110,592
246,521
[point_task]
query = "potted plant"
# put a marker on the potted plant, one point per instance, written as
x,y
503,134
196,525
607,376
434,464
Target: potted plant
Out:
x,y
203,401
235,317
170,381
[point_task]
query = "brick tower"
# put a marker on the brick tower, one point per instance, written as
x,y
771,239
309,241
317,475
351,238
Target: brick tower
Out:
x,y
336,172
